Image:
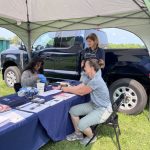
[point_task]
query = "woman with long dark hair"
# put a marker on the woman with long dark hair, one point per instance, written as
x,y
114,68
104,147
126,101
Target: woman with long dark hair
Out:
x,y
33,73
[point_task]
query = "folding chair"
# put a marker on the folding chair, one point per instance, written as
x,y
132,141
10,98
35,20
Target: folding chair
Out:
x,y
112,121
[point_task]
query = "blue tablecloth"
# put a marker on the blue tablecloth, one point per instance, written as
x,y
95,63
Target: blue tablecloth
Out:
x,y
13,100
27,134
30,134
56,119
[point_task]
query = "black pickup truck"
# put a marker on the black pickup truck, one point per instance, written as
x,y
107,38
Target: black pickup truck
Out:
x,y
126,71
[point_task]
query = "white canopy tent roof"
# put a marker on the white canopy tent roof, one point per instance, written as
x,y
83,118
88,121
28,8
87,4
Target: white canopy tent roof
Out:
x,y
31,18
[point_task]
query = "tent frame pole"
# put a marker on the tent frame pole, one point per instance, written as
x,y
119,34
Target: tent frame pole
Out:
x,y
14,24
29,41
29,50
112,18
45,25
142,8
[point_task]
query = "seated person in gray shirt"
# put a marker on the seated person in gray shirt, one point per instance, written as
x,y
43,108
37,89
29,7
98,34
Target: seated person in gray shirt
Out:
x,y
33,73
97,110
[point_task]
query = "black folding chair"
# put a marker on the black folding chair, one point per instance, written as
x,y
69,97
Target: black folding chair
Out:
x,y
112,121
17,87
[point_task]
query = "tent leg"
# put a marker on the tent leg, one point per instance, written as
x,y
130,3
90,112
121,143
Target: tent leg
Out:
x,y
29,50
29,45
29,33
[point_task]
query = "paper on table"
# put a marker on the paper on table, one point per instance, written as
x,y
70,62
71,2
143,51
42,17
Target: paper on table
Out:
x,y
34,107
3,121
11,117
53,102
4,108
14,117
51,92
59,98
24,105
63,96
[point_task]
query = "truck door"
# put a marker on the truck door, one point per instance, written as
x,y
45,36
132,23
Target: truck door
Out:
x,y
44,49
66,57
47,55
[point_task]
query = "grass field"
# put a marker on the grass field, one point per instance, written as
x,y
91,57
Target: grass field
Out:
x,y
135,133
4,90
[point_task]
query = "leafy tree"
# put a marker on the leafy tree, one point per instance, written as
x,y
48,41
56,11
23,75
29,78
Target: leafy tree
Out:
x,y
119,46
15,40
2,38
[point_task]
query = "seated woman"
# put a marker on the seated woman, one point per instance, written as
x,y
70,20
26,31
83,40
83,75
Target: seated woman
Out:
x,y
84,76
97,110
33,73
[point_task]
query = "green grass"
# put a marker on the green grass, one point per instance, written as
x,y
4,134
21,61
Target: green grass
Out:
x,y
135,133
4,90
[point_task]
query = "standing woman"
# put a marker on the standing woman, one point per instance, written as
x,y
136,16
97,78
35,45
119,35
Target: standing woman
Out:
x,y
33,73
93,50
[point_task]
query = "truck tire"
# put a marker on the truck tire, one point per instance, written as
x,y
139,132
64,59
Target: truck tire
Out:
x,y
12,75
136,97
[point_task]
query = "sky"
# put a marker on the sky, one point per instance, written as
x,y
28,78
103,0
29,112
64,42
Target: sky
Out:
x,y
121,36
6,33
117,36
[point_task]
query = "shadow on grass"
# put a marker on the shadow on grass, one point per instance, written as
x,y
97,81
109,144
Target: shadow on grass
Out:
x,y
102,131
146,111
107,131
66,145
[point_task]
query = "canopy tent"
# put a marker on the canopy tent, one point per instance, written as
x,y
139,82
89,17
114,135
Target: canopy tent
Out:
x,y
31,18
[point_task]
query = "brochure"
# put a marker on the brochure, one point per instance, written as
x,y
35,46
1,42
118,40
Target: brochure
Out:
x,y
4,108
63,96
51,92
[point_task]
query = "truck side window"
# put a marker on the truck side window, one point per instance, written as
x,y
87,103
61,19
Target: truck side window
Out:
x,y
67,41
49,40
71,38
45,41
57,42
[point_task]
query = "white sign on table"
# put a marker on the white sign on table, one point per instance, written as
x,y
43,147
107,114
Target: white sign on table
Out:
x,y
13,116
33,107
51,92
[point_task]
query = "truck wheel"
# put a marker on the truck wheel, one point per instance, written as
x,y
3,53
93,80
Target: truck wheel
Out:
x,y
12,75
136,97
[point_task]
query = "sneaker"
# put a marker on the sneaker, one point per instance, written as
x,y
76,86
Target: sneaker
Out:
x,y
74,136
87,139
